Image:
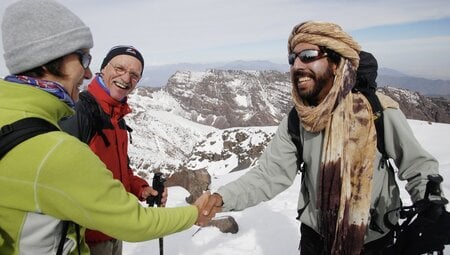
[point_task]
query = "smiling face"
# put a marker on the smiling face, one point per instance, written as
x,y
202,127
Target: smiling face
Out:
x,y
313,79
121,75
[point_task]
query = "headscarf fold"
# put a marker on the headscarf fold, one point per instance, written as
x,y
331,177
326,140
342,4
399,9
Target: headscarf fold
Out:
x,y
348,153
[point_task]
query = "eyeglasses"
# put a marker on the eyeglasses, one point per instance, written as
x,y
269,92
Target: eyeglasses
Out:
x,y
120,70
85,58
306,56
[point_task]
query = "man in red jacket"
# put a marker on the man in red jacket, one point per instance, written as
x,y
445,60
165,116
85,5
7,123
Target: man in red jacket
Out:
x,y
100,123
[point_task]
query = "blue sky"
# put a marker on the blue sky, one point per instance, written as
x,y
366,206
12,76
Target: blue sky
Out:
x,y
421,47
419,29
411,36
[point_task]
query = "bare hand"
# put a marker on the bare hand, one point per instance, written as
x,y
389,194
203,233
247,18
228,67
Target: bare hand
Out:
x,y
202,200
209,209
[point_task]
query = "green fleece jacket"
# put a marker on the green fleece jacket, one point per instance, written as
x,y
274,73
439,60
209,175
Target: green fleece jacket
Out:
x,y
54,177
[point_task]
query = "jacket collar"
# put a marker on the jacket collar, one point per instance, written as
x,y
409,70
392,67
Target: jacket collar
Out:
x,y
33,102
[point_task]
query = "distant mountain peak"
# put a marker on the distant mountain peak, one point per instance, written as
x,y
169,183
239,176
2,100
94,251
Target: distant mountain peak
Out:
x,y
228,107
390,72
158,76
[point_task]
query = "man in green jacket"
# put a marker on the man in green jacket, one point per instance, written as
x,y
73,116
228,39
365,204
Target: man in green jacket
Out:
x,y
347,187
54,177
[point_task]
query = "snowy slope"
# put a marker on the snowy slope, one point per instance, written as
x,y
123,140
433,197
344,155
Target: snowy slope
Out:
x,y
271,228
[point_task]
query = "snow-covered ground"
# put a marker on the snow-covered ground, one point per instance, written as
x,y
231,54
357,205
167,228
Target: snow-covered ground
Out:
x,y
271,227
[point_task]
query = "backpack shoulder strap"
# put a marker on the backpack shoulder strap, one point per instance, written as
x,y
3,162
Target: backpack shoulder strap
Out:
x,y
294,131
64,231
123,125
94,113
377,110
21,130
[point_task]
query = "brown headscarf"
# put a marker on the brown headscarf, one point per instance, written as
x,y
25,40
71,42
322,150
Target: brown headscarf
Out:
x,y
345,181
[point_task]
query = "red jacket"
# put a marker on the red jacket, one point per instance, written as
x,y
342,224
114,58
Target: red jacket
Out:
x,y
114,155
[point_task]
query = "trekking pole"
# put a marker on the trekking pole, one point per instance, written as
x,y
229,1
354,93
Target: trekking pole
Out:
x,y
158,185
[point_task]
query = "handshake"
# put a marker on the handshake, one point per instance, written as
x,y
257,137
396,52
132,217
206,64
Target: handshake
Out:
x,y
208,205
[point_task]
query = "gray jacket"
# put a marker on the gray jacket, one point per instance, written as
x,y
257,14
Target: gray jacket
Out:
x,y
277,169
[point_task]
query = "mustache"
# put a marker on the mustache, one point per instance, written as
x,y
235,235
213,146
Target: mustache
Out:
x,y
299,73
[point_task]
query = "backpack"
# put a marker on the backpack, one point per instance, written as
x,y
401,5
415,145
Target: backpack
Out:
x,y
17,132
98,119
94,113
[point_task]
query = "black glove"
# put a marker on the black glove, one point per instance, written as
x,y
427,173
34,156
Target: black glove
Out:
x,y
430,231
433,204
158,185
424,235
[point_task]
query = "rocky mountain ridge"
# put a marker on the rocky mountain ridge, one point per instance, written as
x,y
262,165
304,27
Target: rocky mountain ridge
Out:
x,y
261,98
221,121
231,98
158,76
420,107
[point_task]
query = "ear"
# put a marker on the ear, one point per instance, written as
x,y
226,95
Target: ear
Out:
x,y
334,67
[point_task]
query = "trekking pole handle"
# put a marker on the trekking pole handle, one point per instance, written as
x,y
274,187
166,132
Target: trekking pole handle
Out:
x,y
158,185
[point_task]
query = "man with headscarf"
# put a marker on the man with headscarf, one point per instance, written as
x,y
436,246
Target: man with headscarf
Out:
x,y
346,188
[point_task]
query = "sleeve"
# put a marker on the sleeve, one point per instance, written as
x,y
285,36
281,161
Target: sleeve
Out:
x,y
74,184
276,171
137,183
414,163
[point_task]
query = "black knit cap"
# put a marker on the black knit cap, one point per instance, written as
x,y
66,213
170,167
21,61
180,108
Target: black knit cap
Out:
x,y
367,70
122,50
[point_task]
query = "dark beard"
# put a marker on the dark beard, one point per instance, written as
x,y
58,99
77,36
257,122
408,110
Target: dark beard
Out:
x,y
312,97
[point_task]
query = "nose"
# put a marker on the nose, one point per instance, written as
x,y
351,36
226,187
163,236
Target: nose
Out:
x,y
87,73
127,77
298,64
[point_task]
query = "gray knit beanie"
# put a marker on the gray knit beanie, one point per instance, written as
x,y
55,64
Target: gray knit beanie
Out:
x,y
37,32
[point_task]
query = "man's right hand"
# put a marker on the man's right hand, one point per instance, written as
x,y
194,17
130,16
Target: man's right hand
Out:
x,y
209,209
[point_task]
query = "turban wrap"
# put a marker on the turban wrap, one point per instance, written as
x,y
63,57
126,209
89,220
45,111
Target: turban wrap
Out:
x,y
328,35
